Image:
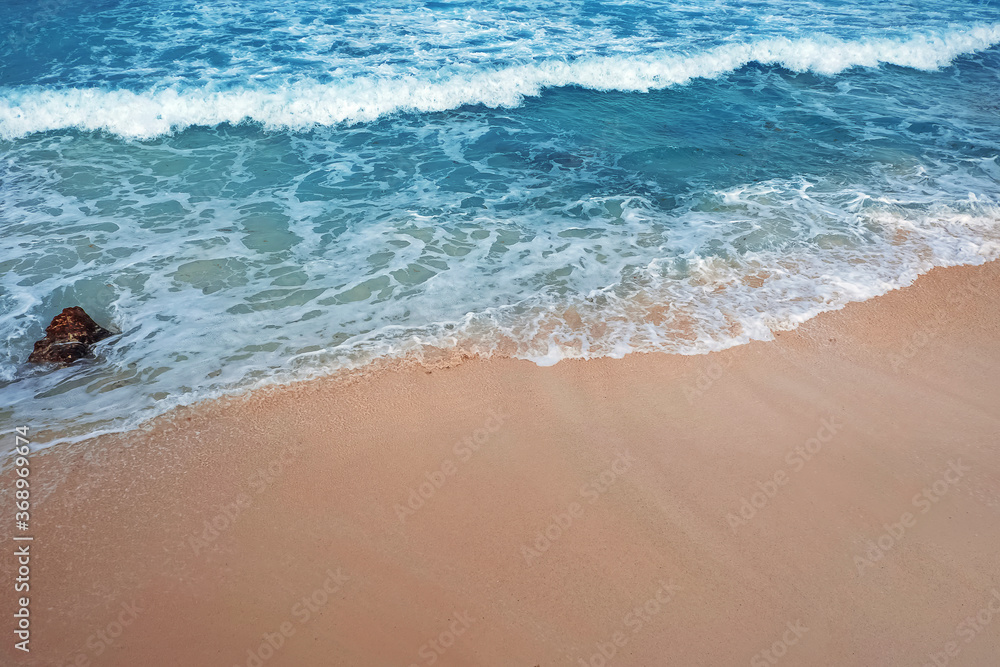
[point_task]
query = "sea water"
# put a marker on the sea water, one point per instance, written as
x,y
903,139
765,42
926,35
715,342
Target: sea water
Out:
x,y
267,190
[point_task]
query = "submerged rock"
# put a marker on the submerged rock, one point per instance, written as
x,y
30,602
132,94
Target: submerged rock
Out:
x,y
68,338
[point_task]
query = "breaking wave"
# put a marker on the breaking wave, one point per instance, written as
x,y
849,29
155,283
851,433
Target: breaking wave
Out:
x,y
305,104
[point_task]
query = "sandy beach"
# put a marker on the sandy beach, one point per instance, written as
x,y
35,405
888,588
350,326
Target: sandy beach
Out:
x,y
831,497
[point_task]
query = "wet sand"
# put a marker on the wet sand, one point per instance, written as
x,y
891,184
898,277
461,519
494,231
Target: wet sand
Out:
x,y
828,498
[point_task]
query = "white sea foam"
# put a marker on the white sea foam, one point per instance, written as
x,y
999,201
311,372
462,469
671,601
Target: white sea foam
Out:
x,y
305,104
712,309
687,302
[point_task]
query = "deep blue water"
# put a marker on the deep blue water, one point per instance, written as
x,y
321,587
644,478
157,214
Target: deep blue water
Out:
x,y
260,191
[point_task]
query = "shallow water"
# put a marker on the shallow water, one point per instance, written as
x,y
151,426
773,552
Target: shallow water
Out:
x,y
261,191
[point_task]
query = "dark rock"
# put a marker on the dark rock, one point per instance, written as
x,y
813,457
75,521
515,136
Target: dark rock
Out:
x,y
68,338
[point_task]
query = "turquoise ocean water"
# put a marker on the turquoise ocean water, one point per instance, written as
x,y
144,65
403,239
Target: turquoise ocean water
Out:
x,y
253,192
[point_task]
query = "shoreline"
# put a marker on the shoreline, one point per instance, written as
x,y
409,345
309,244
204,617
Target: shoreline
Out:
x,y
430,356
831,495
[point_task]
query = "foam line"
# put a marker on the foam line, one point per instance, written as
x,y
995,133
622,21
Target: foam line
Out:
x,y
305,104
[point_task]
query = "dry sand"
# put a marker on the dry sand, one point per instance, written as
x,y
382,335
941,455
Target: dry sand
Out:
x,y
828,498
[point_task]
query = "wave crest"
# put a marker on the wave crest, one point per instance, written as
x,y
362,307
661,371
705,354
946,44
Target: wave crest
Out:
x,y
306,104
